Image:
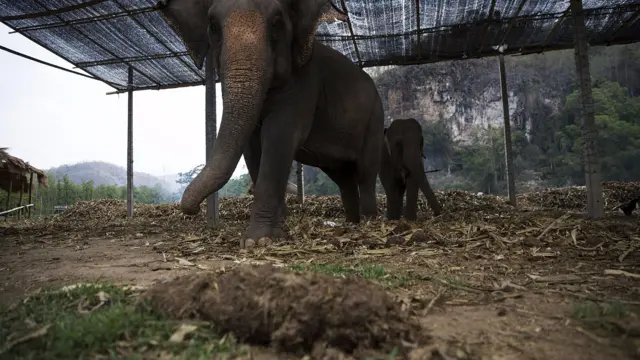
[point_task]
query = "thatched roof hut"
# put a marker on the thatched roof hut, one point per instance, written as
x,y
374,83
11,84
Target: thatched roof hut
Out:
x,y
15,172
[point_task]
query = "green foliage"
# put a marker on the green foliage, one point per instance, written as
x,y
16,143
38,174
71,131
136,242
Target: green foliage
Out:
x,y
236,187
57,330
62,191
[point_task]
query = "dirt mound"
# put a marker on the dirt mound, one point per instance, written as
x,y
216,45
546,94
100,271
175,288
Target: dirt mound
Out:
x,y
575,197
293,312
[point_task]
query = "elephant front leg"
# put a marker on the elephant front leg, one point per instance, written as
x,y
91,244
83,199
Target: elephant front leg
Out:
x,y
267,216
394,201
411,206
278,226
252,153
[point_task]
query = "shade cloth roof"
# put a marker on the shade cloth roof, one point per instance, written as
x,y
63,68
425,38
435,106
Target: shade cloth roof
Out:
x,y
105,37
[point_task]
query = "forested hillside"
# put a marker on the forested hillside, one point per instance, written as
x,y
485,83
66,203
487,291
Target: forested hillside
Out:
x,y
103,173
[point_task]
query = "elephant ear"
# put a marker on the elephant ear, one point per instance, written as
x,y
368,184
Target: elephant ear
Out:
x,y
306,14
190,20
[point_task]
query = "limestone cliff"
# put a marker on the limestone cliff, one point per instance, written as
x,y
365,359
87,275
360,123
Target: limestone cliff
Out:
x,y
466,94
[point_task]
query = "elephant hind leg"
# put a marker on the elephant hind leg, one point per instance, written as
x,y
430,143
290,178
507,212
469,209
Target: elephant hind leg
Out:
x,y
367,192
346,180
368,164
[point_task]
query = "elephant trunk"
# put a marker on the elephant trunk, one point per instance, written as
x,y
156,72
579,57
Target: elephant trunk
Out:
x,y
244,77
417,171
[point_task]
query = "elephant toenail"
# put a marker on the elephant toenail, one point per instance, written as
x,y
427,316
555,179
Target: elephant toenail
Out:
x,y
264,241
247,243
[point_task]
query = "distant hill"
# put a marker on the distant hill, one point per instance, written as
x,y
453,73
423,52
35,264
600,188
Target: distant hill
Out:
x,y
103,173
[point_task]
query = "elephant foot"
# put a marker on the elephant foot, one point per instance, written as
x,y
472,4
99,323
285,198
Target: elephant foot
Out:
x,y
257,236
370,216
249,243
279,233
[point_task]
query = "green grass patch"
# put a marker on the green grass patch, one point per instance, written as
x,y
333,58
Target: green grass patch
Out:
x,y
598,314
592,310
54,325
370,272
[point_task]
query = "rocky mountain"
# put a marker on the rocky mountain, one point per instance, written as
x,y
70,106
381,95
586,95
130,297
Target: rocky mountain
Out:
x,y
103,173
467,94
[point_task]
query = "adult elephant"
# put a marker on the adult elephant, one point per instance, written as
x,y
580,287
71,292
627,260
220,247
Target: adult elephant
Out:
x,y
291,189
402,170
285,97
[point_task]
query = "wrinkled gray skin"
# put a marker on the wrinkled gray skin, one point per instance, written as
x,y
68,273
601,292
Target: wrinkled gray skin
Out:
x,y
401,170
285,97
292,189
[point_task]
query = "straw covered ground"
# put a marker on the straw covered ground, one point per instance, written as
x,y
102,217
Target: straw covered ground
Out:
x,y
481,281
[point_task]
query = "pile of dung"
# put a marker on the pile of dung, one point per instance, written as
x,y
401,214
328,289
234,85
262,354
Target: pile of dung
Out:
x,y
292,312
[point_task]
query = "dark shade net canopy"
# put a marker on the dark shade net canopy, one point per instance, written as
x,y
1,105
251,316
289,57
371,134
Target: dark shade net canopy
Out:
x,y
105,37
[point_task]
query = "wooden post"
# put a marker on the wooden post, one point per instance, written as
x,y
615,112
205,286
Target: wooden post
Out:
x,y
130,145
300,182
213,214
9,193
508,148
6,217
30,193
595,205
21,195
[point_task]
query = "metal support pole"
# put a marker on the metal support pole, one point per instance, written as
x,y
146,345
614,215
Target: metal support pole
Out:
x,y
595,205
213,214
130,145
30,193
300,182
508,148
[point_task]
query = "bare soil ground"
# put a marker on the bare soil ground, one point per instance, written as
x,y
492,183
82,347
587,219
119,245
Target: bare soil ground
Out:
x,y
482,281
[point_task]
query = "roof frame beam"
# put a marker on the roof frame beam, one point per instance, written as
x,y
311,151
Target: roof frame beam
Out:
x,y
52,12
101,46
133,17
353,36
556,27
625,24
513,21
599,12
488,20
85,20
130,59
56,66
418,28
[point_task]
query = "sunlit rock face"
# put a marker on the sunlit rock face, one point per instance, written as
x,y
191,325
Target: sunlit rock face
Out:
x,y
467,95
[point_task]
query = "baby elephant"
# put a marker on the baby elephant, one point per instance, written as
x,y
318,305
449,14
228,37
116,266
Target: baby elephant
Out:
x,y
401,169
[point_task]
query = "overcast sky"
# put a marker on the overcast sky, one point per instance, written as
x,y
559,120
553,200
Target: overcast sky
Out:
x,y
50,117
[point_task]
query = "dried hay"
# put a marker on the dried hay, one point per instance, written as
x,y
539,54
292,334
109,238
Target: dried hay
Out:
x,y
469,221
293,312
614,194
